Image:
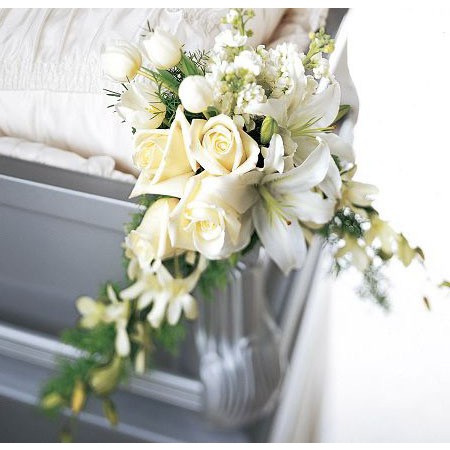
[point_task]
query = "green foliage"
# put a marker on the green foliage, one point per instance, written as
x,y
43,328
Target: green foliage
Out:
x,y
215,276
170,336
343,111
374,286
345,221
95,341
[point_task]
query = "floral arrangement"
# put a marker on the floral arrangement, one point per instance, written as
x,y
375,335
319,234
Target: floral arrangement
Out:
x,y
235,148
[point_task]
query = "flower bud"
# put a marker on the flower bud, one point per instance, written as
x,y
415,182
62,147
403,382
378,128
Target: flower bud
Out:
x,y
105,379
269,127
195,93
121,61
109,410
52,400
78,397
141,106
162,49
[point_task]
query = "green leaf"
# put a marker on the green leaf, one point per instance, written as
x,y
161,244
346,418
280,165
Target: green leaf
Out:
x,y
188,67
445,284
343,111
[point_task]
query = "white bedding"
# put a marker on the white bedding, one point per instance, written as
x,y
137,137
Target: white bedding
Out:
x,y
102,166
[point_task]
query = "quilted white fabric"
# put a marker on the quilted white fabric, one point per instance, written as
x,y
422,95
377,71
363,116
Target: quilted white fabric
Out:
x,y
50,77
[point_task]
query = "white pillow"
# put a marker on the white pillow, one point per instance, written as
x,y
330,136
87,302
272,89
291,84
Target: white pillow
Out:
x,y
102,166
50,77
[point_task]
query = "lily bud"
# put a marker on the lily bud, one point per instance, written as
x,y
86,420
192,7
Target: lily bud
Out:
x,y
78,397
109,410
162,49
195,93
105,379
52,400
121,61
269,127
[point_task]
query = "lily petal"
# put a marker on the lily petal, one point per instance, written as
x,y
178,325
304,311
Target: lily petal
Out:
x,y
282,238
304,177
311,207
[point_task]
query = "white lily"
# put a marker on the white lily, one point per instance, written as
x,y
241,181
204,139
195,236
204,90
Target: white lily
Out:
x,y
306,114
286,198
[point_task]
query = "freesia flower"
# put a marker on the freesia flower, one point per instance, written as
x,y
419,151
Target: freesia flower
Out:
x,y
162,49
164,158
140,106
94,312
221,147
169,296
121,61
286,198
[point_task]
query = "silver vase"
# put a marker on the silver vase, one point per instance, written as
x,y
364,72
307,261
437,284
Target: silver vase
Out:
x,y
238,343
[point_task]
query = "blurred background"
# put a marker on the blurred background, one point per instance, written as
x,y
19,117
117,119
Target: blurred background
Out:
x,y
388,372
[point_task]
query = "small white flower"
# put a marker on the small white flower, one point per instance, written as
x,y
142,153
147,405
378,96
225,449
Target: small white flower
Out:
x,y
141,107
249,60
195,93
121,61
162,49
230,38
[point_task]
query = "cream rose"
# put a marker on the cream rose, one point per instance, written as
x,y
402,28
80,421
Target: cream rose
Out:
x,y
150,242
221,147
164,158
213,215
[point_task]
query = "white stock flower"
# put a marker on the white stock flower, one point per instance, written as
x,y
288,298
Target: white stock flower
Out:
x,y
230,38
141,107
221,147
195,93
149,243
164,158
168,296
212,216
162,49
286,198
121,61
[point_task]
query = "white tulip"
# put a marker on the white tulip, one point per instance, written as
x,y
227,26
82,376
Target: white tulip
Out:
x,y
121,61
162,49
195,93
141,107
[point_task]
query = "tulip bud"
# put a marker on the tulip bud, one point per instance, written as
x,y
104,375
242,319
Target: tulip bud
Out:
x,y
121,61
269,127
141,107
162,49
195,93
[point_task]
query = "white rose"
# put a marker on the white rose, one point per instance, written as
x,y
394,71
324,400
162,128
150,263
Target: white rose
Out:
x,y
162,49
164,158
141,107
213,215
195,93
121,61
221,147
150,242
